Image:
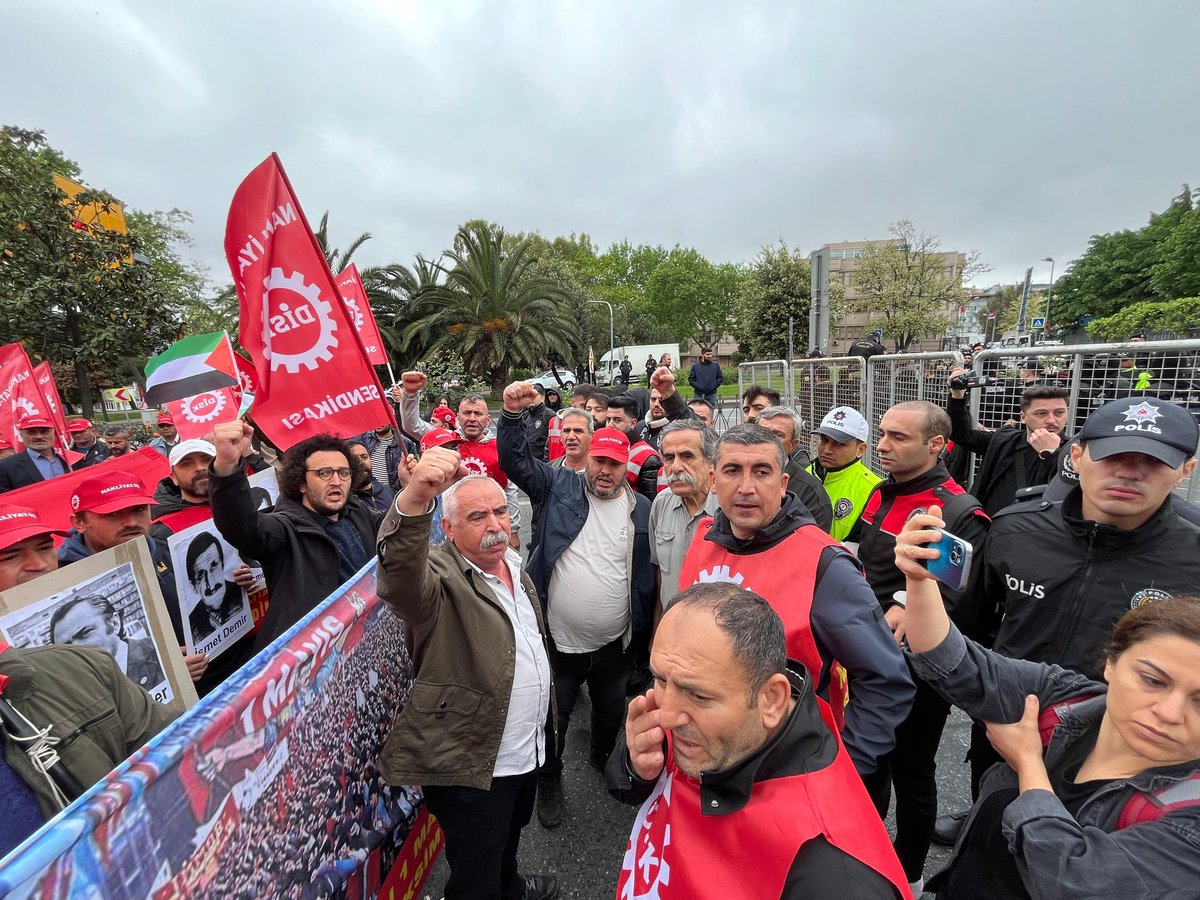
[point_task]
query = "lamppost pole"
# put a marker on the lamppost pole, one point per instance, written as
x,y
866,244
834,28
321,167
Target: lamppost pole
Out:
x,y
612,346
1049,294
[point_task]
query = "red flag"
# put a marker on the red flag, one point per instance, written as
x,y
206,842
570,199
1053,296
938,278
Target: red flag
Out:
x,y
20,396
49,391
313,372
247,377
196,416
354,295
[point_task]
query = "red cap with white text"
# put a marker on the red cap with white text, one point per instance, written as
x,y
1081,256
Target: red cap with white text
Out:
x,y
110,491
610,443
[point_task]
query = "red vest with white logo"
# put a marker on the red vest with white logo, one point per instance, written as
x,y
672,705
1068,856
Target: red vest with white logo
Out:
x,y
639,455
675,851
483,458
784,576
554,444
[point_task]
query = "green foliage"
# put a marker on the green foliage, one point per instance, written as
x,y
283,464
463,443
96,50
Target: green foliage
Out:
x,y
1131,267
776,285
693,298
1181,316
93,298
908,283
1007,306
491,308
447,377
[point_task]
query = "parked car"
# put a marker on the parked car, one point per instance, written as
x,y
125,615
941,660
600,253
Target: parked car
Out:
x,y
546,380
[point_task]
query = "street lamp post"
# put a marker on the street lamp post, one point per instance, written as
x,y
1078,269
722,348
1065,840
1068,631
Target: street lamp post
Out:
x,y
1049,294
612,346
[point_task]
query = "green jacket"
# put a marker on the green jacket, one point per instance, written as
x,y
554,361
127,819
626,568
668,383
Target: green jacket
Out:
x,y
464,658
99,716
848,490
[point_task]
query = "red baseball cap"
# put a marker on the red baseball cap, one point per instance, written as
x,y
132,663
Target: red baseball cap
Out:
x,y
611,443
438,437
5,445
34,422
444,414
166,419
18,523
109,492
79,425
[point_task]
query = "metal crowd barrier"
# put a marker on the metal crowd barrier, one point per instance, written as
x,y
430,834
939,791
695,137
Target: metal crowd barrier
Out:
x,y
1092,374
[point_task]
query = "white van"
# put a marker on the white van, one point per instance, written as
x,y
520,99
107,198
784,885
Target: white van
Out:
x,y
608,366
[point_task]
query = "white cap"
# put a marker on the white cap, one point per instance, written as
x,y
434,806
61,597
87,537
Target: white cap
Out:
x,y
192,445
843,423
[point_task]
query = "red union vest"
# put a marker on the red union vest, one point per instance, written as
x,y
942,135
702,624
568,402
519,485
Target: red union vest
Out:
x,y
785,577
554,444
482,458
639,455
675,852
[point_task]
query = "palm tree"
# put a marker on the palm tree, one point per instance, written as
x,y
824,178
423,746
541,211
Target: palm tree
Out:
x,y
394,290
491,309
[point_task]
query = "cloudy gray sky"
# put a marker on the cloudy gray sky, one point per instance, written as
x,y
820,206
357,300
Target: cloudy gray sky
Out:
x,y
1014,128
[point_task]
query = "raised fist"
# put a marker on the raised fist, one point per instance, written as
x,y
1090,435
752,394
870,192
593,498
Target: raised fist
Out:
x,y
519,395
662,379
232,440
436,470
414,382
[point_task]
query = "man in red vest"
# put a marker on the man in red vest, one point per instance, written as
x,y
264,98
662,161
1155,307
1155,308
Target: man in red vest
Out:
x,y
747,791
478,445
644,461
764,540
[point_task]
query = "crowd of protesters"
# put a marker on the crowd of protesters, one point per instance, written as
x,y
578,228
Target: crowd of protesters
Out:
x,y
638,503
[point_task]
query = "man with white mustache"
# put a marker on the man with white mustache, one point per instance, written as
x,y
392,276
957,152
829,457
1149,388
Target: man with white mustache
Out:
x,y
689,451
591,565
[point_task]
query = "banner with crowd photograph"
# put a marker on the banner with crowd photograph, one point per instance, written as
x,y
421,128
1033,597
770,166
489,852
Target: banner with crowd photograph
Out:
x,y
111,601
268,787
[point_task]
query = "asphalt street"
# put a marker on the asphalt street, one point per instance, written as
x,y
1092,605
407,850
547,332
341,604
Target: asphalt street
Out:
x,y
585,852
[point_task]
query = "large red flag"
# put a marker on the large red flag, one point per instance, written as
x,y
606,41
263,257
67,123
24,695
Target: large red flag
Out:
x,y
354,295
53,405
313,372
196,416
20,396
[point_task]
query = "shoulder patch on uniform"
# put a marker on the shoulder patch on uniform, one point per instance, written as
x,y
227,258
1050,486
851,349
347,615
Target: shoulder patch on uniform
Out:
x,y
843,508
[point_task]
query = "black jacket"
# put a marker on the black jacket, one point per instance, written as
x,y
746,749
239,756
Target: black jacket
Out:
x,y
96,453
19,471
1009,462
561,498
807,488
537,427
848,627
1062,582
804,744
298,557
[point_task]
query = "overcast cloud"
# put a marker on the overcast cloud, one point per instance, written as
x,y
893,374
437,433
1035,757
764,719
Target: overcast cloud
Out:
x,y
1017,129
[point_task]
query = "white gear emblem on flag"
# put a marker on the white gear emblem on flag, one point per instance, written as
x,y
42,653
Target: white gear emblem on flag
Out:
x,y
355,312
200,418
26,406
322,348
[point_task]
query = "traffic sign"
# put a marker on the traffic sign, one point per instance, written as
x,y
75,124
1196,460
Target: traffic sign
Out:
x,y
1039,322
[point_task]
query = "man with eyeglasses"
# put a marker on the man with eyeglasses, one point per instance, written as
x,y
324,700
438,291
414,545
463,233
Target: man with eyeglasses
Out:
x,y
317,536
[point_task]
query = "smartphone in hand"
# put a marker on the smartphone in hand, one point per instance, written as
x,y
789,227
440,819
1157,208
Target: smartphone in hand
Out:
x,y
952,567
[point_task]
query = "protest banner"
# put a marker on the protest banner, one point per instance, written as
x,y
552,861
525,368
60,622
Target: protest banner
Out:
x,y
111,601
354,295
52,498
266,786
313,374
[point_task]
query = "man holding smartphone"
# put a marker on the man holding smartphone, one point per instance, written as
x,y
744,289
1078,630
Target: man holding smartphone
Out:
x,y
912,438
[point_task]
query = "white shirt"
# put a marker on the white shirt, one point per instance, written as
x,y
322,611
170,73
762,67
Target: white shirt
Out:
x,y
523,743
589,587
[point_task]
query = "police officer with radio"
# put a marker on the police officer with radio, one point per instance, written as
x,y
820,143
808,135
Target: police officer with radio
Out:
x,y
1056,576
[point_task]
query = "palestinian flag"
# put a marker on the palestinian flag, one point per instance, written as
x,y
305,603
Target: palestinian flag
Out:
x,y
197,364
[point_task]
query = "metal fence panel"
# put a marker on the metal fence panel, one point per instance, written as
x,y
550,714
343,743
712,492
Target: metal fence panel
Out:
x,y
899,377
1092,374
819,385
774,374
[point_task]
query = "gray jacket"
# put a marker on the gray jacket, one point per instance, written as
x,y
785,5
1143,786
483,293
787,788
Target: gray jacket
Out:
x,y
1059,856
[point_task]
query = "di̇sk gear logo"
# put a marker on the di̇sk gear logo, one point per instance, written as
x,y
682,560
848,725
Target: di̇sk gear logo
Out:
x,y
303,314
722,575
475,465
356,315
646,857
198,409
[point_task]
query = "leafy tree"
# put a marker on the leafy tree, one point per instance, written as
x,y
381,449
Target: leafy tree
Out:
x,y
79,292
776,286
448,378
1006,303
908,282
1181,316
1177,272
491,308
1118,269
692,297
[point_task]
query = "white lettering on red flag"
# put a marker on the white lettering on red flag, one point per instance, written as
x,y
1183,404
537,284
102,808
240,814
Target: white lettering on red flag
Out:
x,y
354,295
197,416
20,396
312,370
